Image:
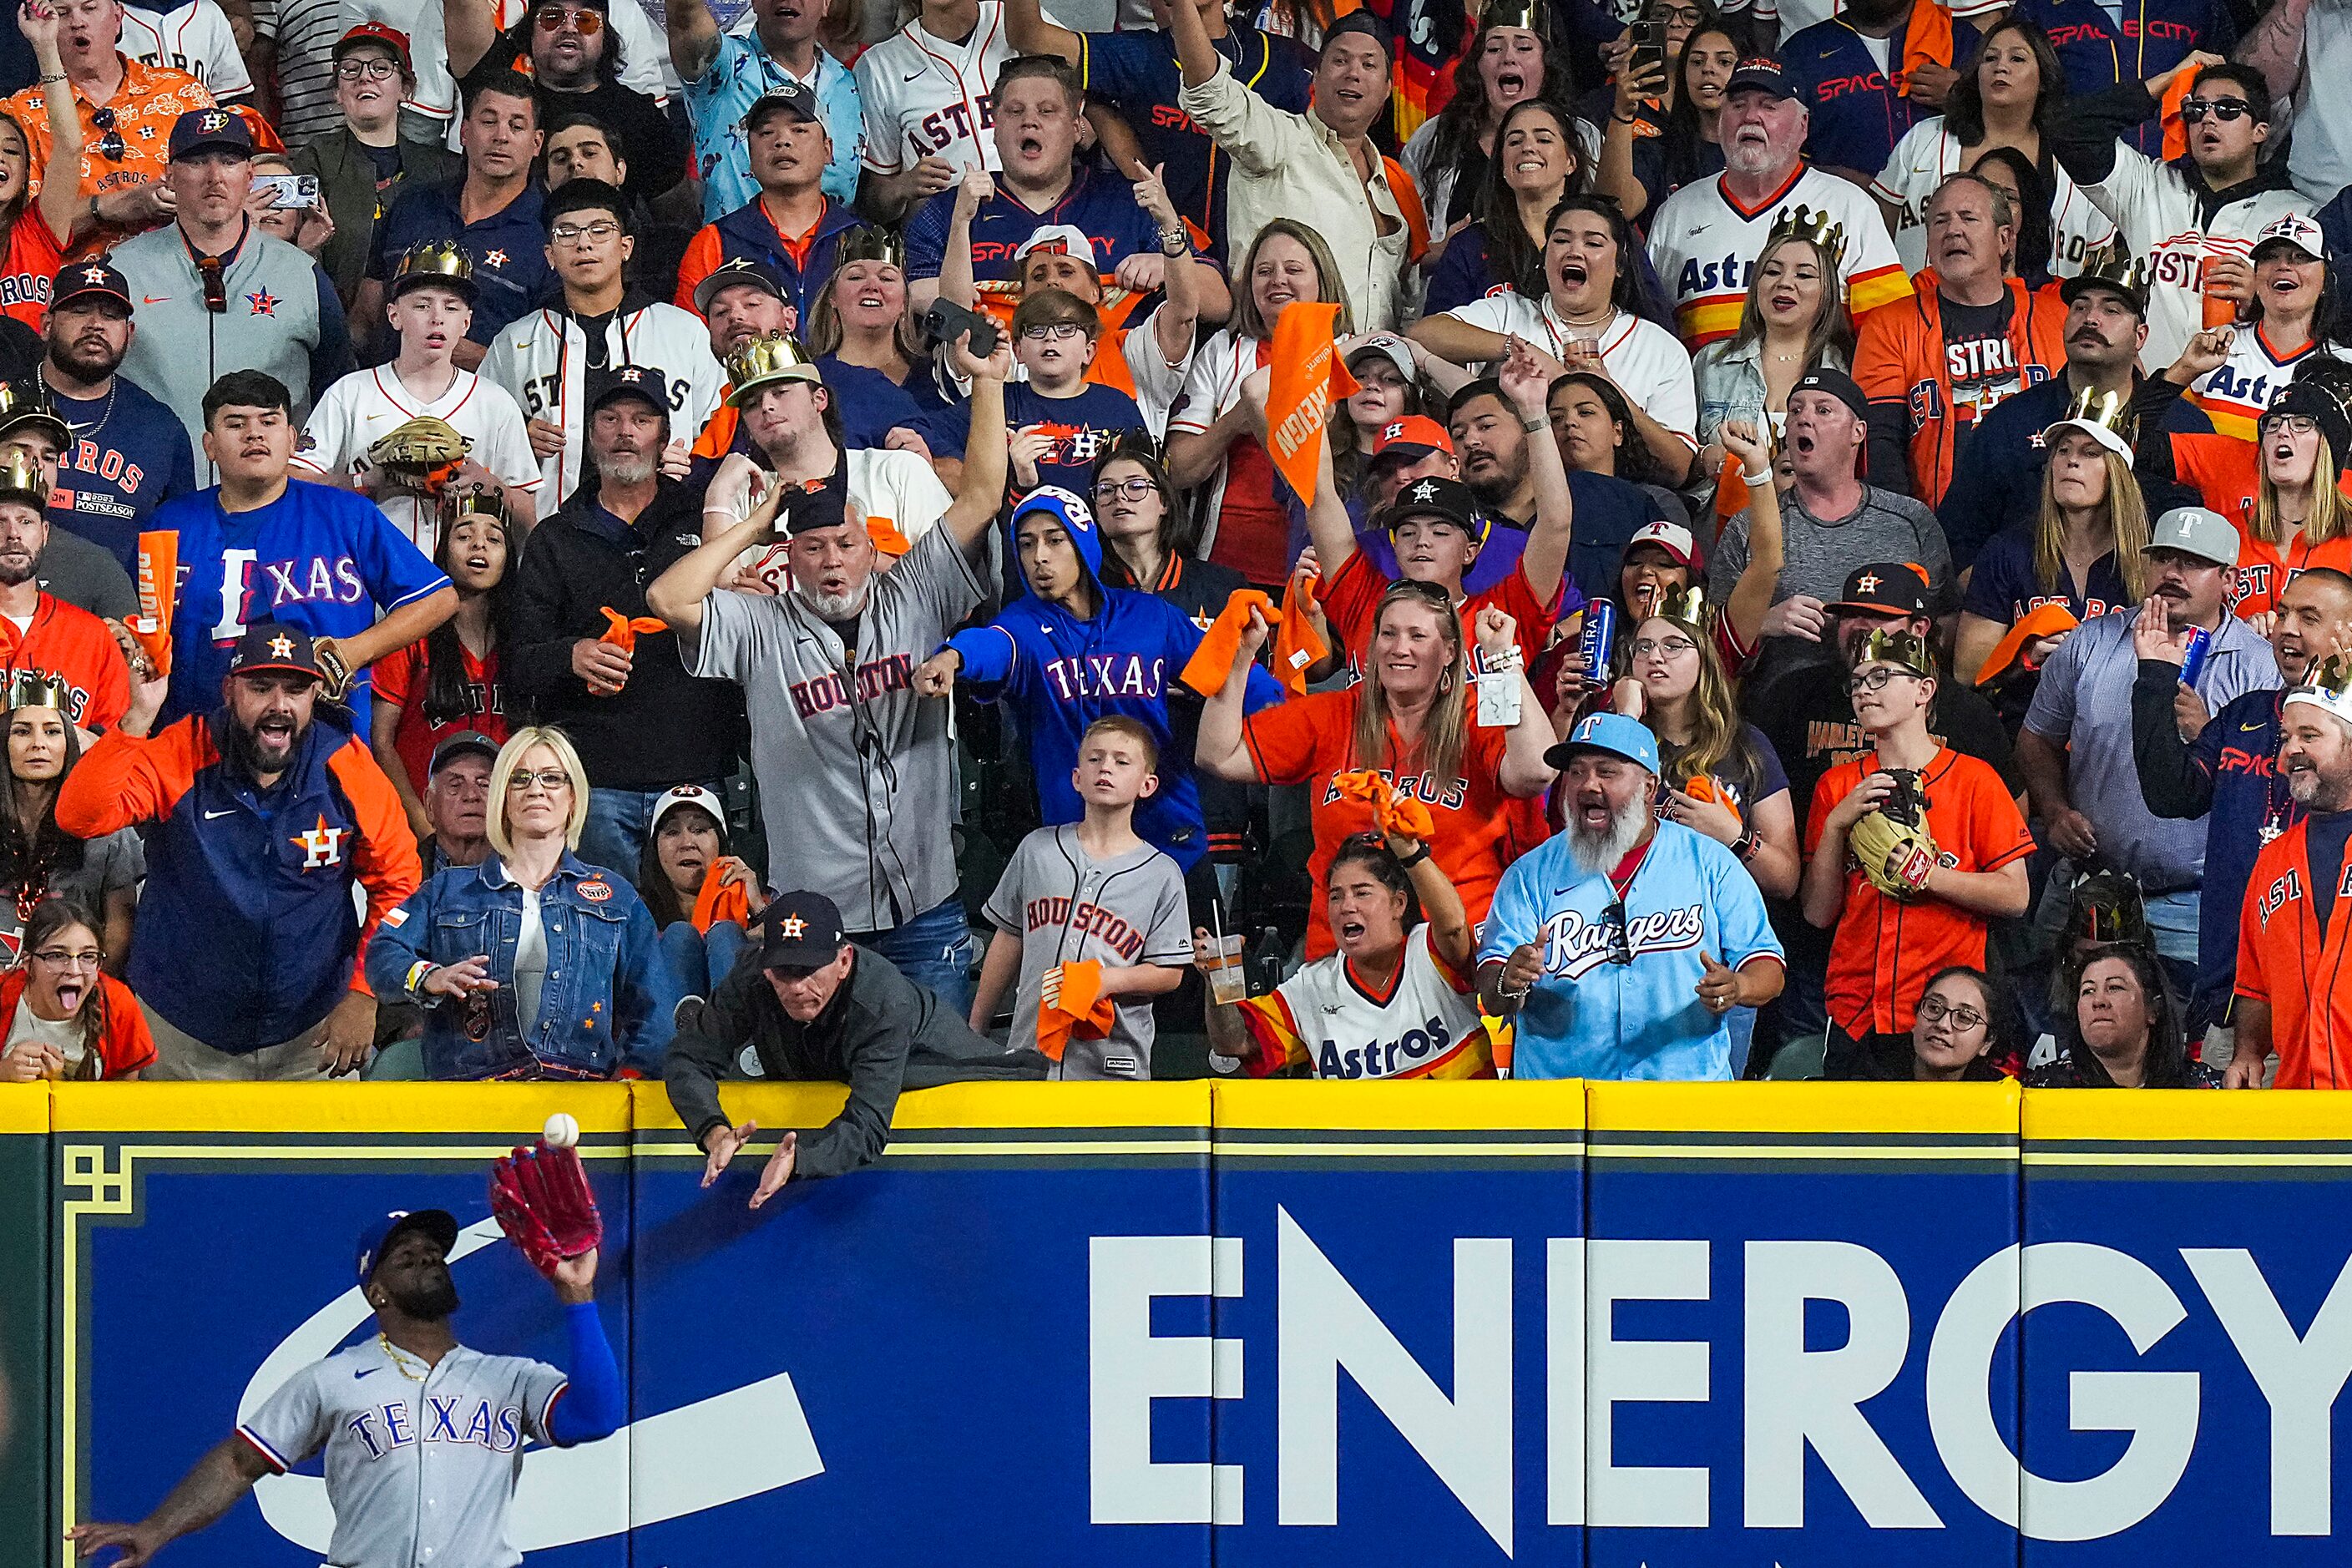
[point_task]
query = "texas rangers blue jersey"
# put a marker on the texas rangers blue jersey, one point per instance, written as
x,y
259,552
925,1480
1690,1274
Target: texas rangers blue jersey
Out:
x,y
320,558
1588,1017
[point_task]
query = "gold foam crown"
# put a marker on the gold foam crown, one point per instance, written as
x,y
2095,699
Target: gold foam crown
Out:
x,y
1816,224
2332,676
870,244
2108,410
1533,15
456,506
31,689
777,357
21,480
435,259
2113,263
1895,646
1688,607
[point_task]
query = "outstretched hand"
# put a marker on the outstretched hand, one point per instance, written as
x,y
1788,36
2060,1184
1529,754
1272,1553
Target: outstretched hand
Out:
x,y
1718,987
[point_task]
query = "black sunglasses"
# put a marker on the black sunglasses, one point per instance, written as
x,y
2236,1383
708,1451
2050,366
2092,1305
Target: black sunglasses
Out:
x,y
1621,941
2194,110
111,147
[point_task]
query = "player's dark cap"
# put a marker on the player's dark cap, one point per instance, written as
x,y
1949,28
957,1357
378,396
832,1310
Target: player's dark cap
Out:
x,y
644,382
735,271
27,401
1439,500
77,280
814,503
464,743
271,648
1838,384
788,96
210,130
801,930
1885,588
1760,73
380,1234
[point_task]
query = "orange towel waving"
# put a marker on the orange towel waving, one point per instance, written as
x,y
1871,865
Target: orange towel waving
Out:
x,y
888,540
1927,40
2041,621
2176,129
623,631
721,899
1073,1004
1308,379
1392,813
158,584
1296,644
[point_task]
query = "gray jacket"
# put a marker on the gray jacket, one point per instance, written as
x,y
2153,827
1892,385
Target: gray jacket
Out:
x,y
281,317
880,1034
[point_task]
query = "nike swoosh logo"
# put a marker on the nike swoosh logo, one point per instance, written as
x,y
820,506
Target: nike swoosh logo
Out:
x,y
365,1371
2252,728
1696,229
166,299
210,814
917,77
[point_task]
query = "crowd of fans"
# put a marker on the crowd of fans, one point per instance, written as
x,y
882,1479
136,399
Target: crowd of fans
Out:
x,y
1828,551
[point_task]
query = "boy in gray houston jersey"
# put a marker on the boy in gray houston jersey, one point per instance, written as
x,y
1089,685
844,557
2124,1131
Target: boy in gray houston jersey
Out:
x,y
1091,891
424,1437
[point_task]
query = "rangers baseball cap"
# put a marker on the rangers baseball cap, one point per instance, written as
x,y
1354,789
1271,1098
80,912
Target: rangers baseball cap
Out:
x,y
273,649
77,278
390,37
1607,734
2296,229
210,130
1405,440
1680,545
463,744
801,930
732,272
378,1237
2194,531
1445,500
1760,73
685,794
1885,588
643,382
788,96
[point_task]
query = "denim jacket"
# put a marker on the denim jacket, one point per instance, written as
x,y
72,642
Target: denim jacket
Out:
x,y
608,997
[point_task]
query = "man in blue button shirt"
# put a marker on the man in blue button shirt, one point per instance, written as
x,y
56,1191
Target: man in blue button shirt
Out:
x,y
726,73
493,210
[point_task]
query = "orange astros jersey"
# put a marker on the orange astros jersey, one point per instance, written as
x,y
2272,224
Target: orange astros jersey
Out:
x,y
2225,472
72,648
2286,962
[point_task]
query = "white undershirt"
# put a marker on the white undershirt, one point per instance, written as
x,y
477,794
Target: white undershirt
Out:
x,y
530,963
1878,49
63,1035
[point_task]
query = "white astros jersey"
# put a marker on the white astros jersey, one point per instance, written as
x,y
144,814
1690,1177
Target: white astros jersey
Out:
x,y
1929,155
418,1471
1642,357
368,405
1705,245
195,38
542,360
2234,394
1426,1025
927,96
2159,216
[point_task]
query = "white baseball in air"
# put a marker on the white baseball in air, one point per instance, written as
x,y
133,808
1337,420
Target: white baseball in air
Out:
x,y
561,1131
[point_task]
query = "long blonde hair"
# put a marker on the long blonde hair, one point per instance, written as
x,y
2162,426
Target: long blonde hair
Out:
x,y
1718,735
1329,288
1829,340
511,756
1445,731
2126,521
2329,518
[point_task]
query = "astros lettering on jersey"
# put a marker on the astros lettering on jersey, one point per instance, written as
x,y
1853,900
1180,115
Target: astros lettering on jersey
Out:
x,y
1704,244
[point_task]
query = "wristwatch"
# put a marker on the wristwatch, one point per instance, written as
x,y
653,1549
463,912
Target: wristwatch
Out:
x,y
1173,243
1415,858
1745,845
1534,427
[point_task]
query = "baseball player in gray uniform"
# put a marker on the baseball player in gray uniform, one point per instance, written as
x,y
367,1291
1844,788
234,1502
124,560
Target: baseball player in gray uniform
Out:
x,y
855,769
424,1437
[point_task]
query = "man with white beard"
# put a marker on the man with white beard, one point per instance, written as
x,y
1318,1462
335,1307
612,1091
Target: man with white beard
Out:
x,y
857,770
1622,945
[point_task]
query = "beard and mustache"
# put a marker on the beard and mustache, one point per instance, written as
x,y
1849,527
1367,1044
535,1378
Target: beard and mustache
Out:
x,y
428,1300
1597,853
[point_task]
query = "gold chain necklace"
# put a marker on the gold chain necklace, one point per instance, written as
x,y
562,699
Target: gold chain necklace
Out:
x,y
401,1360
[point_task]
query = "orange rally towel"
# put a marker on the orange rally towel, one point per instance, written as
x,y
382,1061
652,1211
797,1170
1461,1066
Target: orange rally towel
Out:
x,y
1296,644
1927,40
2176,129
1308,379
623,631
721,899
1078,1008
1703,787
158,586
888,540
2041,621
1400,814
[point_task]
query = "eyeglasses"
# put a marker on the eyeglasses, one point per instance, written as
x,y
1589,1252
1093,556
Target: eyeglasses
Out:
x,y
573,232
1877,679
589,23
374,69
1133,490
1672,16
1053,332
2194,110
554,781
2290,424
55,958
1934,1010
1662,648
1620,942
110,146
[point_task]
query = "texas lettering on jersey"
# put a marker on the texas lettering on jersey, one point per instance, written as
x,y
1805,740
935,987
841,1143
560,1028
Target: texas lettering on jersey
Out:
x,y
1087,919
254,590
390,1429
1106,674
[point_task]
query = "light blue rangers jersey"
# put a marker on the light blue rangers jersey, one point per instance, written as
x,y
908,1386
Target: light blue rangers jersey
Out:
x,y
1588,1017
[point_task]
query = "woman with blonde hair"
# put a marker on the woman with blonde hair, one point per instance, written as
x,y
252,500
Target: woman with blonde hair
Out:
x,y
1216,435
864,341
1794,321
2082,551
531,964
1403,735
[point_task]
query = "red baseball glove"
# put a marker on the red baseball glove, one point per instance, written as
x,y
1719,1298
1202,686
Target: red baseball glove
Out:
x,y
542,1201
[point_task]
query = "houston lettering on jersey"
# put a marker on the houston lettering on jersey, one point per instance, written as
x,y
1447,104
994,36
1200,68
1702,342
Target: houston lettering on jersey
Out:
x,y
828,692
1085,919
389,1428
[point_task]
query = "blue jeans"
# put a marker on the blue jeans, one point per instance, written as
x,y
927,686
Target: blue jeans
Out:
x,y
935,951
701,960
614,832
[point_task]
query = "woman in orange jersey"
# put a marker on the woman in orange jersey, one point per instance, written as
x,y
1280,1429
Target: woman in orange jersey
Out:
x,y
2270,488
1408,721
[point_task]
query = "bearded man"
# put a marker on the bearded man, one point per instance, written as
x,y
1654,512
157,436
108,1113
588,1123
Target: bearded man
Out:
x,y
1623,946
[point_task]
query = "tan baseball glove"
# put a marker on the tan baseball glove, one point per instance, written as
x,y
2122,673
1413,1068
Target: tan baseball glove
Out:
x,y
1897,856
421,454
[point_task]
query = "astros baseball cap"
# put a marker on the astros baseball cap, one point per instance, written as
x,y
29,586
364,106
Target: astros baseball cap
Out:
x,y
272,649
1885,588
685,794
1761,73
210,130
378,1237
1608,734
802,930
2296,229
1676,541
1408,439
1445,500
463,744
1060,239
77,278
392,38
642,382
735,271
788,96
2194,531
814,503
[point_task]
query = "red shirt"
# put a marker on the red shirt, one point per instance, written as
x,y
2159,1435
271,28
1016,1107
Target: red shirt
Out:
x,y
71,646
124,1044
33,257
403,677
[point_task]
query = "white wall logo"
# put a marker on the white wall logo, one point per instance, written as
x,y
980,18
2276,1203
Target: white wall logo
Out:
x,y
732,1446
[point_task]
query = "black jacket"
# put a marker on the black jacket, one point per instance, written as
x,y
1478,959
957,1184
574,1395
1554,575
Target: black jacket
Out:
x,y
880,1034
665,727
347,184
